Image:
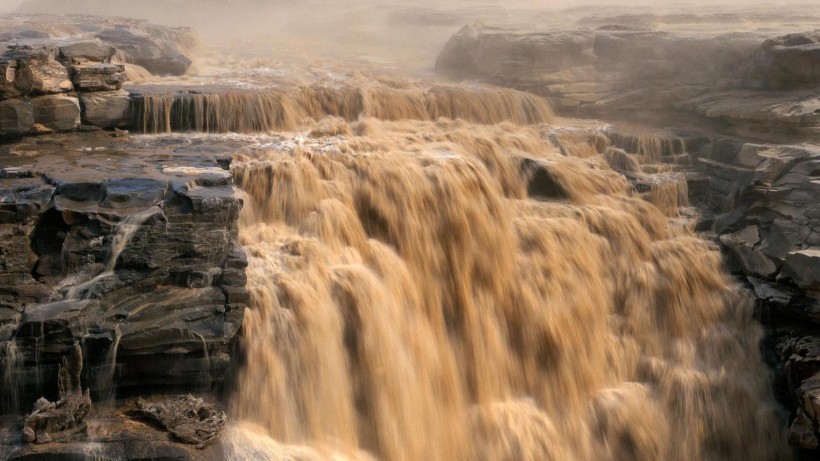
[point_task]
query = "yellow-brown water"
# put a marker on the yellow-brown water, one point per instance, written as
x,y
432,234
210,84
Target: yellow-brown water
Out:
x,y
411,301
286,109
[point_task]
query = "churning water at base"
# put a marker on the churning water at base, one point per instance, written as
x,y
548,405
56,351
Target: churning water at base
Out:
x,y
416,297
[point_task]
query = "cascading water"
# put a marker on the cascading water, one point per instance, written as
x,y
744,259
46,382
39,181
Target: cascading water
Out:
x,y
123,233
416,297
251,111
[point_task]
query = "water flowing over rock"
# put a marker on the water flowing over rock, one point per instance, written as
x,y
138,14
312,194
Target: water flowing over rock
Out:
x,y
358,264
49,420
418,294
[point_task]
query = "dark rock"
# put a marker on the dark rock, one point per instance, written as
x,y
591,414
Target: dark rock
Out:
x,y
190,419
234,277
743,244
133,193
59,322
802,433
541,181
98,77
804,429
50,421
57,112
803,267
106,109
16,117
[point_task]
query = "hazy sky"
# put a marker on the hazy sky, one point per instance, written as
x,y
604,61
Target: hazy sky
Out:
x,y
9,5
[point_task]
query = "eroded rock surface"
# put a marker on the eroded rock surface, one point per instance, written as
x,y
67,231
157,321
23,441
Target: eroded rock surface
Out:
x,y
190,419
132,252
51,421
52,83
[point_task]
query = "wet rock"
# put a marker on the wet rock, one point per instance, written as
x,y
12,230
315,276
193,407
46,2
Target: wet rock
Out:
x,y
803,267
802,433
60,322
541,182
173,308
106,109
16,117
50,421
188,418
133,193
157,56
57,112
98,77
742,244
619,160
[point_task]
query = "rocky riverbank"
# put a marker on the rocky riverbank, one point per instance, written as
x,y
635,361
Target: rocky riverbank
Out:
x,y
745,83
126,247
61,74
129,253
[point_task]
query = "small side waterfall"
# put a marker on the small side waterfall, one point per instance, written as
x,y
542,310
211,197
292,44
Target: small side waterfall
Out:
x,y
123,233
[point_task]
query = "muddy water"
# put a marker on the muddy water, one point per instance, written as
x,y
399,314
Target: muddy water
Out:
x,y
416,295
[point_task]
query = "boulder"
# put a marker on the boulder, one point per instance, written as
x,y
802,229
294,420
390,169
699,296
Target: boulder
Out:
x,y
57,112
743,246
106,109
90,50
157,56
790,61
16,117
803,267
542,182
99,77
28,70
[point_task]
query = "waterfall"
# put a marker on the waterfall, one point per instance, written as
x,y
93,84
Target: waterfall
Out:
x,y
415,296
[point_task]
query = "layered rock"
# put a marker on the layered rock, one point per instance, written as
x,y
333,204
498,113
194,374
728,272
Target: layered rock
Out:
x,y
739,79
50,83
106,109
136,260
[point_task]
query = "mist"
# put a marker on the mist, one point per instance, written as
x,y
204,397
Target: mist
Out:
x,y
404,33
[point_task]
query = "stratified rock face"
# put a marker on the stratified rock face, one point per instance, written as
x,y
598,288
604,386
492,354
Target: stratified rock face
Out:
x,y
738,80
98,77
760,203
57,112
26,70
590,62
136,257
39,61
106,109
52,421
16,117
